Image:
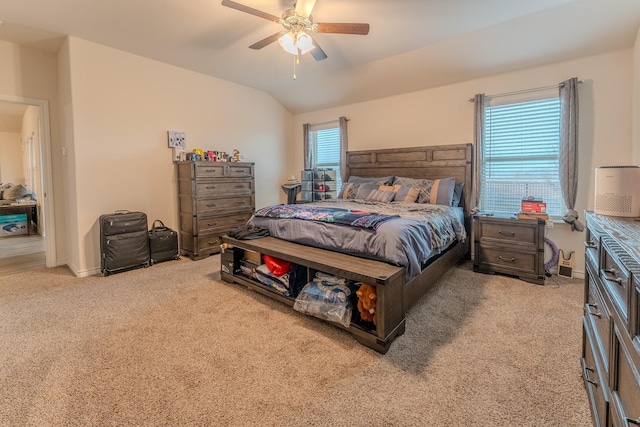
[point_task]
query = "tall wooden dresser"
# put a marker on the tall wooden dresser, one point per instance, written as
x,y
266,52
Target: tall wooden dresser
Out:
x,y
611,320
214,197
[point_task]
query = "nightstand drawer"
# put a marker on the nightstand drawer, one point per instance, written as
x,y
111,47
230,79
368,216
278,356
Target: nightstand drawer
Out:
x,y
508,260
515,232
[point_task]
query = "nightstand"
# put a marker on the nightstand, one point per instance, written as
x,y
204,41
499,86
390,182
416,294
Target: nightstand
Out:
x,y
507,245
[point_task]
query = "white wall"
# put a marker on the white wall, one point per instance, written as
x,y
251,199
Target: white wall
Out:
x,y
118,108
11,170
445,116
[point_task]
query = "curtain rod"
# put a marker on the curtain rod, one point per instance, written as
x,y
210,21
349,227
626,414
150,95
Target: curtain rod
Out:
x,y
517,92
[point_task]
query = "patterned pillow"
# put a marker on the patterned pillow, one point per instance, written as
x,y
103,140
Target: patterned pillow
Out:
x,y
422,185
386,188
405,194
356,190
437,192
381,196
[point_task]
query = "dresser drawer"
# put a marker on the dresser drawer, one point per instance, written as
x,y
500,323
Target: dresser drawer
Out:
x,y
224,188
514,232
616,281
209,244
594,381
223,170
592,247
625,390
598,317
221,224
217,207
508,259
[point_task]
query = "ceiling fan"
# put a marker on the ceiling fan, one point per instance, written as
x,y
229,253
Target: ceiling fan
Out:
x,y
297,23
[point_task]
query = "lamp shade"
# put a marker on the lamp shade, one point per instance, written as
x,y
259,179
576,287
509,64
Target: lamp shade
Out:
x,y
288,43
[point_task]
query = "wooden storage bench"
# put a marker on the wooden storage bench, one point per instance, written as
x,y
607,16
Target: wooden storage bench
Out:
x,y
388,280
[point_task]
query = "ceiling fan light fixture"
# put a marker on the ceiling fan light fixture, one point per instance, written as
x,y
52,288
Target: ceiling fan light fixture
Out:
x,y
288,43
304,42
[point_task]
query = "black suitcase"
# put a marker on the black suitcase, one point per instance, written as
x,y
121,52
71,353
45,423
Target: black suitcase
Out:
x,y
124,242
163,243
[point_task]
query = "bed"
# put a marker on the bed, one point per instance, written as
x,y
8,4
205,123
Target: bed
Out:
x,y
400,282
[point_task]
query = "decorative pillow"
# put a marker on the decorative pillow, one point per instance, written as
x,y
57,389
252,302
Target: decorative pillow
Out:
x,y
422,185
386,188
441,192
457,194
381,196
356,190
405,194
384,180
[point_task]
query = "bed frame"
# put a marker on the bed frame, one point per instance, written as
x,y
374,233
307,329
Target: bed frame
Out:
x,y
394,296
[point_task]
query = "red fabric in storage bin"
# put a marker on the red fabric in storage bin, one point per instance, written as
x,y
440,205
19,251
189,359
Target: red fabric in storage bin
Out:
x,y
276,265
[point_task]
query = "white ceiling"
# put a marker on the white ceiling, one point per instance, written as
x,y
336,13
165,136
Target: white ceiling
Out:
x,y
412,44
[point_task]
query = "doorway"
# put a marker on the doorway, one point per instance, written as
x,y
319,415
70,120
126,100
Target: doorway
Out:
x,y
21,253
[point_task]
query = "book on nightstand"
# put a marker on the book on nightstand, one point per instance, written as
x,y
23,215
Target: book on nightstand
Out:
x,y
533,215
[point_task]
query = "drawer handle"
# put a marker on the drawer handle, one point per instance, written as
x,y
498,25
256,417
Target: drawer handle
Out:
x,y
212,206
507,233
632,421
590,245
241,202
503,258
612,272
598,314
211,170
211,224
587,377
240,220
239,186
213,187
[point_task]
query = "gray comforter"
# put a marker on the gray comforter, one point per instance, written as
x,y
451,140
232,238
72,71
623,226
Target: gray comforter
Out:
x,y
422,231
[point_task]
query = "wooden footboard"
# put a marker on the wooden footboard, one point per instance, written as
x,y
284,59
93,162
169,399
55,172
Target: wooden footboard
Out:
x,y
388,280
394,297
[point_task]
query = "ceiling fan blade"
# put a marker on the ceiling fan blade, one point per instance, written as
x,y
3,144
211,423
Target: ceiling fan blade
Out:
x,y
250,10
304,7
344,28
317,52
267,40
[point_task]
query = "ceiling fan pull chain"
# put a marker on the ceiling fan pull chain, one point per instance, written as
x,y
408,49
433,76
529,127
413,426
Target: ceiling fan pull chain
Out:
x,y
296,60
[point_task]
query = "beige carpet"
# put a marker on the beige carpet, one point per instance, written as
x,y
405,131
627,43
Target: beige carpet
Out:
x,y
173,345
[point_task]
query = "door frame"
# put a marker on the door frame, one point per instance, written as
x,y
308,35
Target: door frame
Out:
x,y
45,172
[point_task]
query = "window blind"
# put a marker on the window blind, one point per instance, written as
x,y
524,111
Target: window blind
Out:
x,y
521,156
325,143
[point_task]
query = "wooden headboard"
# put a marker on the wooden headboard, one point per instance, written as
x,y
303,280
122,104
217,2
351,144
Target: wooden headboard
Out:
x,y
433,162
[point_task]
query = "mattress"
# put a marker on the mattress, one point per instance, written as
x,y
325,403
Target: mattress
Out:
x,y
418,232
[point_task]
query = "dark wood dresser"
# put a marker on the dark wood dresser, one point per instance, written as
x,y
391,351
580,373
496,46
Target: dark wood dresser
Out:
x,y
611,320
507,245
214,197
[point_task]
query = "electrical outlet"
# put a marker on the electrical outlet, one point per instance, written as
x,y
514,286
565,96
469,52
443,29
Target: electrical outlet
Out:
x,y
549,224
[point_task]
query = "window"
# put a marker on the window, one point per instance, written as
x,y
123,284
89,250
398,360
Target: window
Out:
x,y
324,144
521,154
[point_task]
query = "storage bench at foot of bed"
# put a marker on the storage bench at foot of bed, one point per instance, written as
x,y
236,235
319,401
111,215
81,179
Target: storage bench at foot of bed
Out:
x,y
388,280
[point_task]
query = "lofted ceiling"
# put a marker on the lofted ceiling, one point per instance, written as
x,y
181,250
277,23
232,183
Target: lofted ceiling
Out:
x,y
412,44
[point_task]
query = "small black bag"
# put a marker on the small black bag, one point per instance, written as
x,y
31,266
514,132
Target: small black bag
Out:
x,y
163,243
